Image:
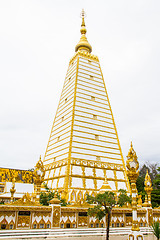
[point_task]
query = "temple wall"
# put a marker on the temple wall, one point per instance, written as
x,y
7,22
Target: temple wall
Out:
x,y
55,216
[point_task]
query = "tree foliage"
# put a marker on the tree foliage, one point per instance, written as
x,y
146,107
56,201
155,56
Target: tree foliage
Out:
x,y
46,196
2,202
154,173
103,204
156,230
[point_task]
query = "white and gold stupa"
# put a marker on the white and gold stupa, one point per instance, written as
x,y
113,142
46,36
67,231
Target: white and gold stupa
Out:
x,y
83,148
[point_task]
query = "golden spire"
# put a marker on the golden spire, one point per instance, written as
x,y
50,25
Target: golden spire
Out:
x,y
83,43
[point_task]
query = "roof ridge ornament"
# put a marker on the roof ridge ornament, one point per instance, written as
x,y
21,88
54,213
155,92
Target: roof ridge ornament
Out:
x,y
83,42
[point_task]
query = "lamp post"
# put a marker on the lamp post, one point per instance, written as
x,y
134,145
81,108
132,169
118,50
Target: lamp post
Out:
x,y
38,176
133,172
148,188
147,204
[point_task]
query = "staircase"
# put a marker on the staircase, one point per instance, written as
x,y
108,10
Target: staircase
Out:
x,y
59,233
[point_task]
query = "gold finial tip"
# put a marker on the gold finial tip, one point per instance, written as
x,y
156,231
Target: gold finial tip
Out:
x,y
83,43
83,14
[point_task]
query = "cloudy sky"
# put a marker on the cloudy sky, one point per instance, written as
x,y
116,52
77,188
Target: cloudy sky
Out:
x,y
37,40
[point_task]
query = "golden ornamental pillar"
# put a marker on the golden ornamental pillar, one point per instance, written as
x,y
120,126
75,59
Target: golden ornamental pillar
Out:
x,y
12,190
133,173
38,177
56,211
147,204
148,188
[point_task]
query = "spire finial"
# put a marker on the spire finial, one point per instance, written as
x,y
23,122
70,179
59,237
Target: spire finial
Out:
x,y
83,43
83,15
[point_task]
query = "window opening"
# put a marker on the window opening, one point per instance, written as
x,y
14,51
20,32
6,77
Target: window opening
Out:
x,y
92,98
96,137
48,225
34,225
41,225
82,214
11,226
68,225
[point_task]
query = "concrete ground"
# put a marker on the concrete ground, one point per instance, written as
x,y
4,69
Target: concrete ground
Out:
x,y
112,237
115,237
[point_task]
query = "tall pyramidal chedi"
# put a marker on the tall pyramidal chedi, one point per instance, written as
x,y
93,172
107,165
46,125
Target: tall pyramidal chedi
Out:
x,y
83,148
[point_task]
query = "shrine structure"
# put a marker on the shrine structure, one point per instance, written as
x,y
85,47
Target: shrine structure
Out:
x,y
83,147
83,156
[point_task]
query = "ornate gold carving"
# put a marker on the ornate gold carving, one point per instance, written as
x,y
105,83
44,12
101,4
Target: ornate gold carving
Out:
x,y
82,221
105,186
42,214
38,176
56,216
25,201
148,188
84,54
22,176
150,217
12,190
139,201
23,221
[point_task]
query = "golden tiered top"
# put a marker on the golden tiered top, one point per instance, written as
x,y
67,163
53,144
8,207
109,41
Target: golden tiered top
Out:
x,y
83,42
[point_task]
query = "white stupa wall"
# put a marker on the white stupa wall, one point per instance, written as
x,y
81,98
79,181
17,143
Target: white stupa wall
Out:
x,y
93,138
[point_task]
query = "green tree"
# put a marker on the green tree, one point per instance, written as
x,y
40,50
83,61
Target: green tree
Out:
x,y
2,202
156,230
104,203
155,177
155,195
156,180
46,196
